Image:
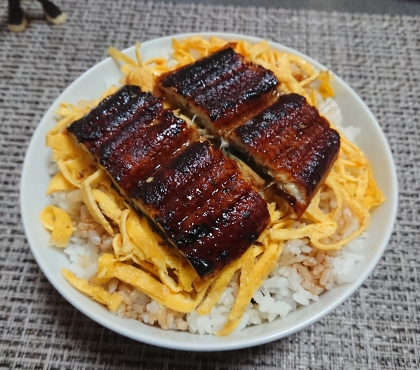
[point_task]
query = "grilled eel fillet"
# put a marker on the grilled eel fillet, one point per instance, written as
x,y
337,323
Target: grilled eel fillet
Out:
x,y
193,195
223,90
288,140
292,143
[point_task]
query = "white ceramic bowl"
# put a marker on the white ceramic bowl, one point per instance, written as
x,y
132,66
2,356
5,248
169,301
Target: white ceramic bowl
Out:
x,y
35,180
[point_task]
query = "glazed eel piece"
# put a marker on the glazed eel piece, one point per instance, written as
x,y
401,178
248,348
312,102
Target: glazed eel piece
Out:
x,y
282,137
293,144
223,89
190,192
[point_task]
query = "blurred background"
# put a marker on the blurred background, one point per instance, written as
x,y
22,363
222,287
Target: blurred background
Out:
x,y
409,7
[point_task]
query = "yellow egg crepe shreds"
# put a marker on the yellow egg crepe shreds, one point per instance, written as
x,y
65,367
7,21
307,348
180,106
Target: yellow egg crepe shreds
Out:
x,y
59,223
141,259
97,293
218,286
109,268
88,197
59,183
252,276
